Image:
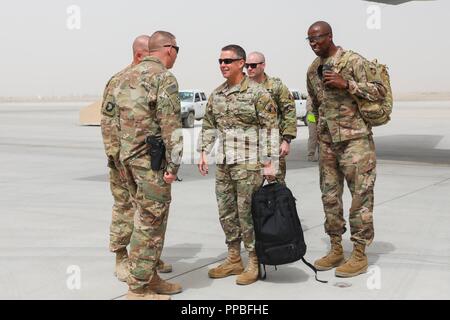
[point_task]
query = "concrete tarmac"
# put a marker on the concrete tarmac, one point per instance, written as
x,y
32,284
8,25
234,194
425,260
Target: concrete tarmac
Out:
x,y
56,210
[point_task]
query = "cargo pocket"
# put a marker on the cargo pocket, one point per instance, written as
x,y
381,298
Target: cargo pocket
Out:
x,y
365,175
153,215
151,183
156,190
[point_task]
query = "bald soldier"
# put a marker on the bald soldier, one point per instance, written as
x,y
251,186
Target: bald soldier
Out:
x,y
149,126
238,114
287,119
346,147
123,209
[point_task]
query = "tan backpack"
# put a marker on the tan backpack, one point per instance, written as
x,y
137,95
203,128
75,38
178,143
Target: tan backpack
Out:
x,y
375,113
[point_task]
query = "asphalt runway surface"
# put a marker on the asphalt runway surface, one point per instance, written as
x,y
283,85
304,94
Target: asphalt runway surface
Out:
x,y
56,211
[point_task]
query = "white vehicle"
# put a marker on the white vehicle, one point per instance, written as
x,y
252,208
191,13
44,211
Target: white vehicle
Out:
x,y
300,105
193,104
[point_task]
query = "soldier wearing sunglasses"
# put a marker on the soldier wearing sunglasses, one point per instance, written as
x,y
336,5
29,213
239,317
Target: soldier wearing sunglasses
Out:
x,y
148,106
287,119
123,208
237,113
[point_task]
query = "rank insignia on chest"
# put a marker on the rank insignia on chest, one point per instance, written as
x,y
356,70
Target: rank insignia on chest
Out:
x,y
271,108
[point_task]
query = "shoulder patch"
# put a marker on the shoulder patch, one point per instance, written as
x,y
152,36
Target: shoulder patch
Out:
x,y
110,109
173,88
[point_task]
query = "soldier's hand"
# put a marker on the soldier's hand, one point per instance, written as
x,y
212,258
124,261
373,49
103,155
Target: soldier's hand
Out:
x,y
203,164
169,177
269,172
284,149
334,80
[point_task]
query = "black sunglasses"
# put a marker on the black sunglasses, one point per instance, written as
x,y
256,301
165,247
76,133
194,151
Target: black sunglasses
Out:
x,y
228,61
252,65
177,48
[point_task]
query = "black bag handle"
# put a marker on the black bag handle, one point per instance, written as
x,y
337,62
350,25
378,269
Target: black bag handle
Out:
x,y
268,182
313,269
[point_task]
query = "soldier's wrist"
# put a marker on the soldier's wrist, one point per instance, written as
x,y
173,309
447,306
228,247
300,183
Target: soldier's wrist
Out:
x,y
172,169
287,138
351,86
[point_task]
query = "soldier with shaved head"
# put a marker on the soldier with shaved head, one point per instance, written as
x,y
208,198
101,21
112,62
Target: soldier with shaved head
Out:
x,y
148,107
123,208
287,119
346,146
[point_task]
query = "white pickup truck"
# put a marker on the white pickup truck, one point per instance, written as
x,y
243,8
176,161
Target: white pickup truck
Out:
x,y
193,104
300,105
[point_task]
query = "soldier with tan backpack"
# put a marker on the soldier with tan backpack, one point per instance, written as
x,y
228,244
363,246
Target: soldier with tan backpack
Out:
x,y
374,113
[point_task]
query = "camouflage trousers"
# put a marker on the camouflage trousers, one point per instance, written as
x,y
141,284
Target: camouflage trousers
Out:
x,y
312,139
122,212
281,173
235,185
355,161
152,198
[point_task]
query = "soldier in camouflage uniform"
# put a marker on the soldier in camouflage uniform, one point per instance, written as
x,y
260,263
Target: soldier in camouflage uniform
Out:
x,y
236,113
287,118
123,209
148,106
346,146
312,131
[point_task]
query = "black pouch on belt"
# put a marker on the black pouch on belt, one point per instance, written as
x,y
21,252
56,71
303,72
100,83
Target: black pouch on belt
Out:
x,y
157,152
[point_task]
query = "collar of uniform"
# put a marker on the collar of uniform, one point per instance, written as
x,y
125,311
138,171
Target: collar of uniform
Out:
x,y
335,58
153,59
242,86
266,83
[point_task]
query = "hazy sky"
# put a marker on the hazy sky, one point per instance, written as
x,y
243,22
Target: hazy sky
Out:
x,y
41,56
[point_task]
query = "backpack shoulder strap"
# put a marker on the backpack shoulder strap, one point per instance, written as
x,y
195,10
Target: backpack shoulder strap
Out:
x,y
313,269
344,60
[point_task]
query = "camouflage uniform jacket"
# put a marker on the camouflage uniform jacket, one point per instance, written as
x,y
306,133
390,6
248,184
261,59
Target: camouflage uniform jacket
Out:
x,y
148,102
287,118
336,110
109,119
240,112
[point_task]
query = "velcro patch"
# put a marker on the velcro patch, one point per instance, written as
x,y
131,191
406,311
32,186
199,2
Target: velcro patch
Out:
x,y
172,89
110,109
271,108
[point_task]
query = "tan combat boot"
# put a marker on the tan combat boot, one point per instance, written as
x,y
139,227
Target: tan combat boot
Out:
x,y
251,273
145,294
356,265
232,264
161,286
122,269
163,267
334,258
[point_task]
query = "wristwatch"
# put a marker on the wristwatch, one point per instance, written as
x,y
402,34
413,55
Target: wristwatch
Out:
x,y
287,139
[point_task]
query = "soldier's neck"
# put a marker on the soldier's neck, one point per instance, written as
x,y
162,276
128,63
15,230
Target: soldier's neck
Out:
x,y
232,81
260,79
332,51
